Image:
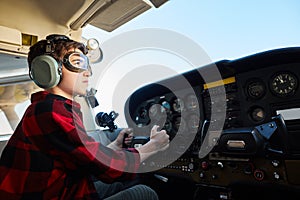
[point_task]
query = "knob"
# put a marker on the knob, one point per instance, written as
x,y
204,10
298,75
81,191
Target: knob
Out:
x,y
201,175
204,165
191,166
220,164
275,163
248,169
276,176
259,174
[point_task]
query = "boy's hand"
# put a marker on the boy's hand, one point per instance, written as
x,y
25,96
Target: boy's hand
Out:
x,y
125,137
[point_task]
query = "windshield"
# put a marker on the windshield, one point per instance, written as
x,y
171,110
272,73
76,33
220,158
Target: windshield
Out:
x,y
176,37
222,30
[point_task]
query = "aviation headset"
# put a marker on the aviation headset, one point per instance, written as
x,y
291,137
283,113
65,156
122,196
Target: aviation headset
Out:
x,y
45,70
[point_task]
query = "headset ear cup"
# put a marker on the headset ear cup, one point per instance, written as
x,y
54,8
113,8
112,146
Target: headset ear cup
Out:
x,y
45,71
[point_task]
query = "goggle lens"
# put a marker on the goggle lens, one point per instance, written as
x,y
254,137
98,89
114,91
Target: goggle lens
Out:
x,y
77,62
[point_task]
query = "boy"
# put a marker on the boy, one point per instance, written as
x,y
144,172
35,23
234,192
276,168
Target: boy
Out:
x,y
50,156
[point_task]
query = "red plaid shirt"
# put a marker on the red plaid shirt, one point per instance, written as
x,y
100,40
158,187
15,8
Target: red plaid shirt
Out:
x,y
50,156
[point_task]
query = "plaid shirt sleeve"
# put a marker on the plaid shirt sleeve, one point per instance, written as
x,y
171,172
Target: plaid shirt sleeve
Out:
x,y
50,156
58,131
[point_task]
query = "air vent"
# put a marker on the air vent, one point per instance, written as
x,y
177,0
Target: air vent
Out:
x,y
293,128
11,41
10,36
29,40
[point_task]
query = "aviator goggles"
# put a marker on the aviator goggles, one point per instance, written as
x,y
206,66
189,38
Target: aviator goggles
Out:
x,y
77,62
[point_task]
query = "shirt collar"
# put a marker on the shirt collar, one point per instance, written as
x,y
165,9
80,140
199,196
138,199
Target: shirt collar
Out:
x,y
43,95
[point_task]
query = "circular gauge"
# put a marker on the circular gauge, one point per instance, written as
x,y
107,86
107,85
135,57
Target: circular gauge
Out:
x,y
192,102
167,126
180,145
166,106
178,105
179,123
193,123
143,113
284,84
257,114
142,117
256,89
154,110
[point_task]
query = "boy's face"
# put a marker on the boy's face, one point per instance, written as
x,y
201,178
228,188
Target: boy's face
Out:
x,y
74,83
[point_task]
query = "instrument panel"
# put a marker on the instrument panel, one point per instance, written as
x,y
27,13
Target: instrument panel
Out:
x,y
179,114
247,123
171,109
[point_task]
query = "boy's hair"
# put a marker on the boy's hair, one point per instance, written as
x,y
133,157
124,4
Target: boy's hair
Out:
x,y
59,49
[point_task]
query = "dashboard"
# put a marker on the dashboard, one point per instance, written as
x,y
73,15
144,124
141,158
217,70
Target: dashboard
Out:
x,y
230,122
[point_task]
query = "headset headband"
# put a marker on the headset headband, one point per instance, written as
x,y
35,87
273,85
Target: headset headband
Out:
x,y
57,37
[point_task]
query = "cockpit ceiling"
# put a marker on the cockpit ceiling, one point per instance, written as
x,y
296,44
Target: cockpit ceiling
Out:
x,y
38,18
67,16
28,16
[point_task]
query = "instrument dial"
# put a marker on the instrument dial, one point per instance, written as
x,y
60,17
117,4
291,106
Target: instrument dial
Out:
x,y
193,123
178,105
179,124
257,114
284,84
192,102
256,89
154,110
165,106
168,126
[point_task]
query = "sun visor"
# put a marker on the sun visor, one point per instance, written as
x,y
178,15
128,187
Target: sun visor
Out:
x,y
109,15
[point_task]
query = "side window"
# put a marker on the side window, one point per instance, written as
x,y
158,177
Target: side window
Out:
x,y
14,99
5,127
20,108
5,130
8,123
